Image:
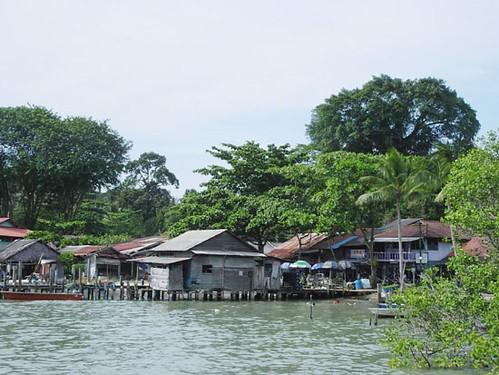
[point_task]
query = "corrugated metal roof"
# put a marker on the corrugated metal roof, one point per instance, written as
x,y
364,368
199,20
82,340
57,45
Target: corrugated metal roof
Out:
x,y
229,253
159,260
81,250
429,229
4,219
138,244
13,232
288,249
395,239
101,251
189,239
477,247
16,247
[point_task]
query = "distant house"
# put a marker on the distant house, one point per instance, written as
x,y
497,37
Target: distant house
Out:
x,y
9,231
477,246
101,261
139,245
22,258
312,247
211,260
425,243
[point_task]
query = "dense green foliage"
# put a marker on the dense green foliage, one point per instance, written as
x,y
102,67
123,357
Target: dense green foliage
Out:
x,y
399,180
453,321
472,191
412,116
52,163
52,170
240,194
450,322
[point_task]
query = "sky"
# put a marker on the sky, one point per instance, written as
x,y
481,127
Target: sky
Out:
x,y
177,77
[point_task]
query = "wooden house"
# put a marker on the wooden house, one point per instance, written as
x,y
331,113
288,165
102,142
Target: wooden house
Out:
x,y
425,243
211,260
100,261
22,258
9,231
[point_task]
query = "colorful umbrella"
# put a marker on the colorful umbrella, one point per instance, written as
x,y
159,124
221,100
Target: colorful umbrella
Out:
x,y
300,264
318,266
285,265
330,265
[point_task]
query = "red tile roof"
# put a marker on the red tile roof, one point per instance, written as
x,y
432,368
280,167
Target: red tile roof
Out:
x,y
477,247
13,232
4,219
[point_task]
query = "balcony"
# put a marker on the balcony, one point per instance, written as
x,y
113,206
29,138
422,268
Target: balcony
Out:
x,y
393,256
388,256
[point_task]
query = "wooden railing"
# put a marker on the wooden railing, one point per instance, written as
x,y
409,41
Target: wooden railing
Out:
x,y
391,256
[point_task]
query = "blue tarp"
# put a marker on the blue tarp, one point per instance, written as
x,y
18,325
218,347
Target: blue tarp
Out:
x,y
285,266
317,266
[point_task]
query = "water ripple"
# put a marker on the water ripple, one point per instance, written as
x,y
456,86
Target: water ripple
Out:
x,y
118,337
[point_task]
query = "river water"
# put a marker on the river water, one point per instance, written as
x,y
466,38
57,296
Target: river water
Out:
x,y
187,337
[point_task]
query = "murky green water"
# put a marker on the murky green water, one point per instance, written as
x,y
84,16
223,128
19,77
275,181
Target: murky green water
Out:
x,y
114,337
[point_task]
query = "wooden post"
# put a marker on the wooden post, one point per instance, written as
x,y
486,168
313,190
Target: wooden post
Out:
x,y
20,274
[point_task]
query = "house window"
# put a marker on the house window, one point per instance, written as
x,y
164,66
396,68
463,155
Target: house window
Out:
x,y
432,243
207,268
267,270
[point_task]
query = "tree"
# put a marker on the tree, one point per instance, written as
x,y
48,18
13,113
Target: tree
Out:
x,y
293,204
339,212
55,162
237,195
400,182
145,189
84,156
471,192
412,116
22,142
450,322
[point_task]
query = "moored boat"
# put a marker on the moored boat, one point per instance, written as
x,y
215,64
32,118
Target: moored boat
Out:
x,y
33,296
385,310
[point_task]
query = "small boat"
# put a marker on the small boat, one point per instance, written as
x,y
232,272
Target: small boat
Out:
x,y
384,310
32,296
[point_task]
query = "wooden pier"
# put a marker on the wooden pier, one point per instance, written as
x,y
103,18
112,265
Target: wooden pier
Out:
x,y
139,291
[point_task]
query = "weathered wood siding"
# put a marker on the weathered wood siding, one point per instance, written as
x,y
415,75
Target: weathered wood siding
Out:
x,y
176,277
224,241
229,273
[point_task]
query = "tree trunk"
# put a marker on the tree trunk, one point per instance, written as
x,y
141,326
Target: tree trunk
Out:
x,y
372,260
299,245
401,252
452,235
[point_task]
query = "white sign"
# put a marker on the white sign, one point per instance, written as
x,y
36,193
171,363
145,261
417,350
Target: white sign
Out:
x,y
423,258
159,278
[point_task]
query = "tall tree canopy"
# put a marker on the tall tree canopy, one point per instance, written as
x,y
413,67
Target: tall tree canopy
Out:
x,y
238,195
472,191
52,162
144,189
412,116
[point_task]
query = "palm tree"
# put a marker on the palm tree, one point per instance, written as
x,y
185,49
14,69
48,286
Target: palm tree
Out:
x,y
441,163
400,181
